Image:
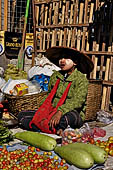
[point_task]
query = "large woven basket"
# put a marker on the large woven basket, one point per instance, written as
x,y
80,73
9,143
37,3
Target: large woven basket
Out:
x,y
26,102
31,102
93,99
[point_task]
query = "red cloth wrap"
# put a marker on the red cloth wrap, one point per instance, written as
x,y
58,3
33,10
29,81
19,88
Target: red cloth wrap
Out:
x,y
46,110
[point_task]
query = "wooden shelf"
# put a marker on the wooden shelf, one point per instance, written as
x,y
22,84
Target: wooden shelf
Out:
x,y
62,26
108,83
88,52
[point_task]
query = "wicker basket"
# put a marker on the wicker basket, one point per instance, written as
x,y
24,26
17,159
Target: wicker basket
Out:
x,y
93,99
26,102
31,102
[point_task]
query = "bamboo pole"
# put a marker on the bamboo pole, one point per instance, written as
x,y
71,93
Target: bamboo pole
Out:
x,y
81,13
91,13
105,88
37,14
110,77
0,15
102,62
86,11
95,63
5,15
75,12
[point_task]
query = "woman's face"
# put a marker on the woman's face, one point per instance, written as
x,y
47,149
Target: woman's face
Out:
x,y
66,64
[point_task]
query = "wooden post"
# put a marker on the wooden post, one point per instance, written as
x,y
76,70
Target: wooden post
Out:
x,y
110,77
5,15
102,63
86,10
34,54
49,23
75,12
91,13
95,63
81,12
105,88
0,15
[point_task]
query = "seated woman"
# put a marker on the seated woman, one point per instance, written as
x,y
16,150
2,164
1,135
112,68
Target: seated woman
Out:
x,y
65,102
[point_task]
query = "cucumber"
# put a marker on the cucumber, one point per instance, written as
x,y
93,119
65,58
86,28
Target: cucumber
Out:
x,y
77,157
98,154
36,139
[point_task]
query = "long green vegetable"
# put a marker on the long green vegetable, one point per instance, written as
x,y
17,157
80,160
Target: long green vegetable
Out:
x,y
42,141
77,157
98,154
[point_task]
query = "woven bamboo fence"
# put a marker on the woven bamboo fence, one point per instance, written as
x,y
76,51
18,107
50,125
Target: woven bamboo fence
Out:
x,y
86,25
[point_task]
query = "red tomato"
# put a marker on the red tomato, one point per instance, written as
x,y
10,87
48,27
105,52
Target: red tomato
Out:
x,y
110,145
98,141
37,149
61,163
1,149
91,140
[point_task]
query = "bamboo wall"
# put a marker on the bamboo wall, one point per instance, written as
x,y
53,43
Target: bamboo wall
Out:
x,y
84,24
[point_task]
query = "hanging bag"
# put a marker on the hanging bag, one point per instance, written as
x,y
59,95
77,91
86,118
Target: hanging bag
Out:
x,y
45,112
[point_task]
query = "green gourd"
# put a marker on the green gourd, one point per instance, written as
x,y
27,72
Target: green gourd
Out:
x,y
98,154
77,157
37,139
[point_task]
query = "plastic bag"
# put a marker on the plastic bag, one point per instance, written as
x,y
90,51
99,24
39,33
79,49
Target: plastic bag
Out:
x,y
70,136
98,132
87,134
42,80
33,87
104,117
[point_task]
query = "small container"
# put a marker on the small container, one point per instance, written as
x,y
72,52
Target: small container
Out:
x,y
21,89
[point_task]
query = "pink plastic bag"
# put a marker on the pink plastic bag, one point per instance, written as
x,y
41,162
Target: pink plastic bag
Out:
x,y
98,132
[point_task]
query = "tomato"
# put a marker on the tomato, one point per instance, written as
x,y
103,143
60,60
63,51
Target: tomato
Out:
x,y
111,145
1,149
37,149
61,163
91,140
98,141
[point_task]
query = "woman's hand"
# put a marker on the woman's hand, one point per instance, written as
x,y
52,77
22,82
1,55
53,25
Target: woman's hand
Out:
x,y
55,119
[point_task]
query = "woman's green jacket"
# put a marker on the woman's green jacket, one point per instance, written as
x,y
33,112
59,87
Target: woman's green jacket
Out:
x,y
76,98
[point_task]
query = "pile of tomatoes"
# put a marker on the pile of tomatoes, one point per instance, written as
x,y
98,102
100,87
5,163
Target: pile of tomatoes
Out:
x,y
30,159
106,145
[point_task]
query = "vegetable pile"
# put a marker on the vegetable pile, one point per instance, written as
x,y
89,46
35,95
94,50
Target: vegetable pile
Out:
x,y
30,159
5,134
81,155
13,73
106,145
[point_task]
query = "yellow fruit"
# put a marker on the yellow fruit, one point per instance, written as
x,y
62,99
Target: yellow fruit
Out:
x,y
110,138
111,152
106,149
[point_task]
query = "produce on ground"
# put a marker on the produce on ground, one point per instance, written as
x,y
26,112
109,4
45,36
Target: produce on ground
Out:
x,y
5,134
42,141
106,145
77,157
98,154
30,159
